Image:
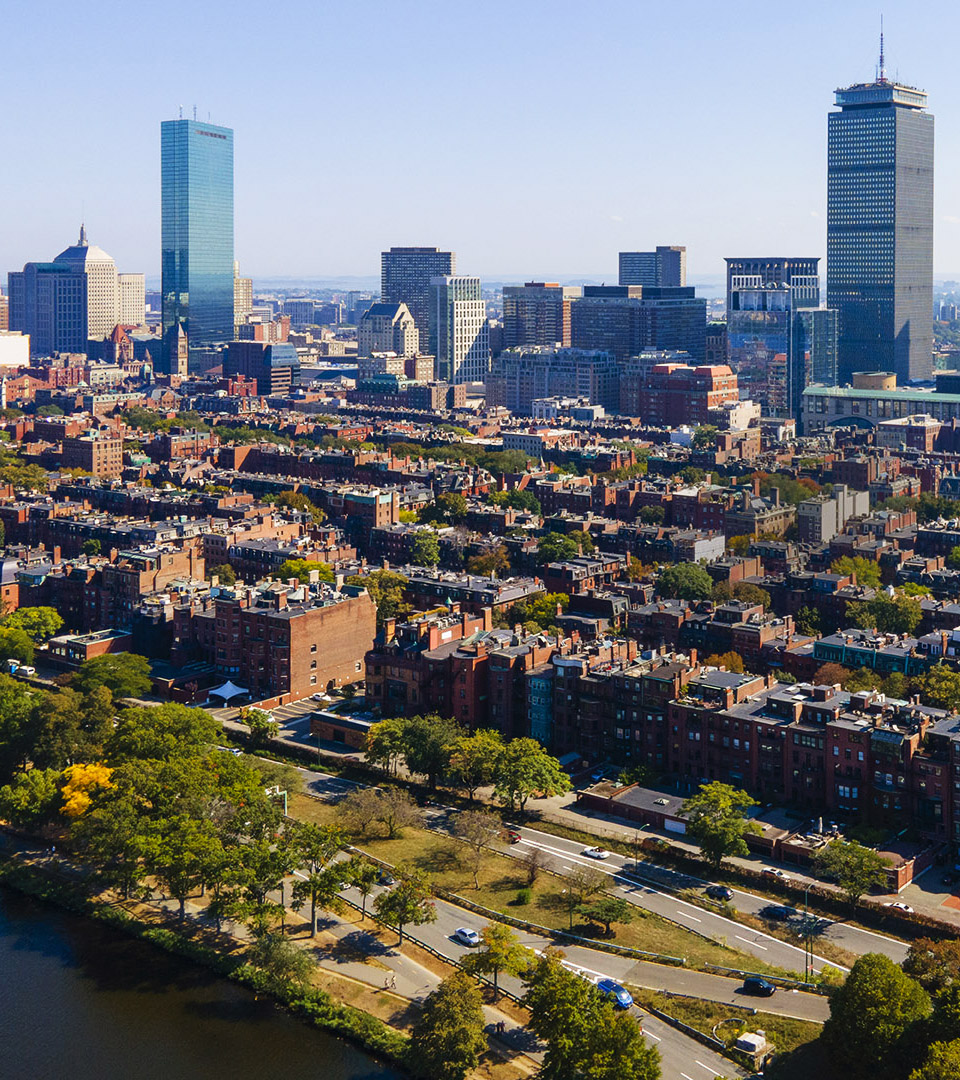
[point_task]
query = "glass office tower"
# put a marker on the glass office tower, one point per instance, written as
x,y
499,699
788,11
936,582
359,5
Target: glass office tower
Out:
x,y
196,235
880,229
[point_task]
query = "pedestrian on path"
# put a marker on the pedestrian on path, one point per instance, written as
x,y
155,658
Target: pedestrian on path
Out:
x,y
393,982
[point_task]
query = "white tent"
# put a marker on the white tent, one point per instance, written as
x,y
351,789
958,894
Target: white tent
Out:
x,y
227,691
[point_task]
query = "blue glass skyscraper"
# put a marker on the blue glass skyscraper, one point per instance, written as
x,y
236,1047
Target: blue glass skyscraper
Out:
x,y
196,235
880,228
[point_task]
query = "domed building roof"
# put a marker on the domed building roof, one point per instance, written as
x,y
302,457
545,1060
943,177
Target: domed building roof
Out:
x,y
82,252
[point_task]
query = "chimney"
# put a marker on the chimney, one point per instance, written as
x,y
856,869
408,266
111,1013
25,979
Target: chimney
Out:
x,y
389,630
756,486
693,657
56,554
487,614
280,601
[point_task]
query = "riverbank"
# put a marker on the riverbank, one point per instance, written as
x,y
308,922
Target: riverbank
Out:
x,y
310,1004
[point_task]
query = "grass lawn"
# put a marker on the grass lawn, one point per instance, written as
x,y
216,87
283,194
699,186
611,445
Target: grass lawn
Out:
x,y
446,862
786,1034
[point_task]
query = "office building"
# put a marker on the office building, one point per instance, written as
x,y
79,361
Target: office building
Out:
x,y
387,328
301,310
821,518
771,342
79,297
242,298
537,313
14,349
629,319
459,338
274,365
196,165
666,267
4,311
664,391
405,277
875,398
880,228
521,376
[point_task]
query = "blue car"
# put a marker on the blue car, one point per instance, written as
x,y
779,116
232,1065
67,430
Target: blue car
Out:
x,y
622,999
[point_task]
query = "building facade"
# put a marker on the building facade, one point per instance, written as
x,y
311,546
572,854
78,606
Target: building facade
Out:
x,y
79,297
880,228
665,267
537,313
459,334
521,376
197,266
388,328
276,366
406,274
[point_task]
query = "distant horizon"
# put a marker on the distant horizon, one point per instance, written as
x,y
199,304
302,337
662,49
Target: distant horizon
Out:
x,y
492,151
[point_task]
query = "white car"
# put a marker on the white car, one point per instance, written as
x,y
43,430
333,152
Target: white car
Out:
x,y
595,853
900,906
466,936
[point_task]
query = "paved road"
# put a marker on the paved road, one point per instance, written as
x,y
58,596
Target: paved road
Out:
x,y
655,892
683,1058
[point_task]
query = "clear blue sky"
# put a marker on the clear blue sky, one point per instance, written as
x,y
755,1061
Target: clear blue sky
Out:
x,y
535,137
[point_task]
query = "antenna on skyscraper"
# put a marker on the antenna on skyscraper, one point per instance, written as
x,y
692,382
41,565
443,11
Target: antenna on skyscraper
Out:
x,y
194,112
883,67
180,107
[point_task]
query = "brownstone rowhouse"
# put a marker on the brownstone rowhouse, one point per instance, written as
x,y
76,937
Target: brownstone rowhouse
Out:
x,y
291,642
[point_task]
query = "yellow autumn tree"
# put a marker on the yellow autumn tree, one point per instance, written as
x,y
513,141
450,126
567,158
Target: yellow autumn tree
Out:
x,y
79,782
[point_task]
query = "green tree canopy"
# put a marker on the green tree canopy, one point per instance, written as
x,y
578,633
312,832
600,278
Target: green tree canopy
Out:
x,y
941,687
224,573
855,868
38,623
448,1036
123,674
501,951
15,645
90,547
934,964
717,820
889,615
474,759
585,1037
516,499
867,571
705,437
685,581
425,549
427,741
557,547
296,500
525,769
408,903
386,590
301,570
942,1062
652,515
870,1015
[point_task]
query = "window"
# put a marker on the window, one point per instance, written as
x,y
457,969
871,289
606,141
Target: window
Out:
x,y
313,647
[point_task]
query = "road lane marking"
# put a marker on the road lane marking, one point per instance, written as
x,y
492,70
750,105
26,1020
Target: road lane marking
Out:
x,y
685,1077
650,1035
614,871
686,916
749,942
709,1068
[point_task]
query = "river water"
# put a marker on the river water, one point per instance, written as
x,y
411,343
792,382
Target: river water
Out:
x,y
79,1001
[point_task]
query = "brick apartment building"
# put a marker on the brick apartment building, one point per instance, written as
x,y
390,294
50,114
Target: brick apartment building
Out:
x,y
671,394
286,640
99,453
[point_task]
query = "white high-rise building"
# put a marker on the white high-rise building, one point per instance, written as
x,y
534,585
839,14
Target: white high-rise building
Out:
x,y
77,298
459,336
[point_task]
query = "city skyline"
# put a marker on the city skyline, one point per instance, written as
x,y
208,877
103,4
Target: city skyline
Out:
x,y
343,205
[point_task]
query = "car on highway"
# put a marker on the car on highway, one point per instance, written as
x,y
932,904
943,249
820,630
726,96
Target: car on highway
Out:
x,y
230,750
595,853
900,906
719,892
770,872
623,999
512,836
753,984
779,912
466,936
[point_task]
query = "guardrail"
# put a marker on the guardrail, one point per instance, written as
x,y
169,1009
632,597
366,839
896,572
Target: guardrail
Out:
x,y
547,931
430,949
790,984
691,1032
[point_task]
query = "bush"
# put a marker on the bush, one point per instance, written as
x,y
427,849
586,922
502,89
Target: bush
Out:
x,y
524,896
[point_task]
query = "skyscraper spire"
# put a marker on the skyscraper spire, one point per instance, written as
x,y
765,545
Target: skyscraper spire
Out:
x,y
883,68
82,242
